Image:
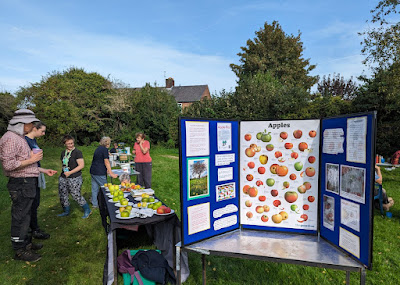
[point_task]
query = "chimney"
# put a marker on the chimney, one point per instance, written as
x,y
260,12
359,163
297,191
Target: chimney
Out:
x,y
169,82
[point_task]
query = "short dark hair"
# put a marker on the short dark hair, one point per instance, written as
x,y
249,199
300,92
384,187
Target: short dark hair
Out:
x,y
67,138
38,125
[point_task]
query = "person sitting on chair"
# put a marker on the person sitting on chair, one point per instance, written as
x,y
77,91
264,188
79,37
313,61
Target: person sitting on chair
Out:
x,y
388,202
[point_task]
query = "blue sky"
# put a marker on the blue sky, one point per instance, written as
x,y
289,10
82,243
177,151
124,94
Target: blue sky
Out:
x,y
192,41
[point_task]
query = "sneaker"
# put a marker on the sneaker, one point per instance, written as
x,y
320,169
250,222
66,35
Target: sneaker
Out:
x,y
39,234
34,246
27,255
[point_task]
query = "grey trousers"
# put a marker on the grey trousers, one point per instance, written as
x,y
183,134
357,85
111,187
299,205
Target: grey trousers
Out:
x,y
144,178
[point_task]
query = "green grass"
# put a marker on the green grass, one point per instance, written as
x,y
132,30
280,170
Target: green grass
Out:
x,y
76,251
198,186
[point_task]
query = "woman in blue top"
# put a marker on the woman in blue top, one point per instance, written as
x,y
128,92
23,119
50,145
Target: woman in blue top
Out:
x,y
99,168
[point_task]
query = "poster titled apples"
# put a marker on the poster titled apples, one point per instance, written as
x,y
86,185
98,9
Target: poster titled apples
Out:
x,y
279,173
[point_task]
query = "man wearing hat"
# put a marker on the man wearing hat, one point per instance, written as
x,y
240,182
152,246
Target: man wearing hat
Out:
x,y
20,166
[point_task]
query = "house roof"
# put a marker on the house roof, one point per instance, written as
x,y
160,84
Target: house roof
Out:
x,y
188,93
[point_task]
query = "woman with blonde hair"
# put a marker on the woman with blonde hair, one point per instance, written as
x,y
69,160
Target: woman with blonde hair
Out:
x,y
100,168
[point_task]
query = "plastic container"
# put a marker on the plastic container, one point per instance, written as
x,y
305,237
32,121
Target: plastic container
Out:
x,y
36,150
389,214
126,167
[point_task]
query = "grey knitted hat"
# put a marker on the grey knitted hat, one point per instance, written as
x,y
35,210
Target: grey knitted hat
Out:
x,y
23,116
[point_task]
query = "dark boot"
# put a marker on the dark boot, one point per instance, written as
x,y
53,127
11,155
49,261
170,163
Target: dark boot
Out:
x,y
39,234
65,213
27,255
86,210
34,246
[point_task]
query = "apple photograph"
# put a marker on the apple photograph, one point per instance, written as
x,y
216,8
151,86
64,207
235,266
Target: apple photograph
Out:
x,y
198,178
352,183
332,177
279,173
329,212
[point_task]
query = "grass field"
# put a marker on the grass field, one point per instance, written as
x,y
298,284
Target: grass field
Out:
x,y
76,251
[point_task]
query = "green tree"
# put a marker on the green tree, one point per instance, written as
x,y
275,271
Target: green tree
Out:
x,y
70,102
7,108
277,53
381,44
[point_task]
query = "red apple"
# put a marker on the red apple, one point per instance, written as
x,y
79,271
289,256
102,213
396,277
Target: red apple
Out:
x,y
249,214
264,218
311,199
312,133
292,176
308,185
306,207
291,196
246,189
253,192
269,147
261,170
274,192
276,203
247,137
248,203
286,184
311,159
278,154
283,135
282,170
274,168
304,217
160,210
297,134
302,189
259,183
303,146
250,152
294,155
251,165
266,208
167,210
310,171
249,177
288,145
262,198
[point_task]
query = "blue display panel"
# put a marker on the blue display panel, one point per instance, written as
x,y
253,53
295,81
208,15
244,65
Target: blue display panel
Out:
x,y
209,165
347,183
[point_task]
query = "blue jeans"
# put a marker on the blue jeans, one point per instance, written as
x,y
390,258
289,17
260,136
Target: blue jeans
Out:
x,y
97,181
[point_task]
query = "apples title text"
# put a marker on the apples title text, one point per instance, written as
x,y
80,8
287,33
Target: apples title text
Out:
x,y
280,125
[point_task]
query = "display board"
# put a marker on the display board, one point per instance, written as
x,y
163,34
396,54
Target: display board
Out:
x,y
347,183
279,170
209,166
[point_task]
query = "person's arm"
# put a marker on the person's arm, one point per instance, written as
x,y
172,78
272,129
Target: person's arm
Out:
x,y
143,148
109,170
378,172
49,172
11,163
81,165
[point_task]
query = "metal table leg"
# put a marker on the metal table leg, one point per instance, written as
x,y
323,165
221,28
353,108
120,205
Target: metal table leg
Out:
x,y
348,277
203,260
178,264
362,276
115,254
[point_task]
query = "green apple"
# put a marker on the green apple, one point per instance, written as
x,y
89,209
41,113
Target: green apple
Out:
x,y
270,182
298,166
125,214
266,137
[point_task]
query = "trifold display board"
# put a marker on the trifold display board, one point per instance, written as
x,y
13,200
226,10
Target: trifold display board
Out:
x,y
298,176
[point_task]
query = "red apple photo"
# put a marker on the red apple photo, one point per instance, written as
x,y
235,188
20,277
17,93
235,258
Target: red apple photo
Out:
x,y
253,191
262,198
248,203
251,165
302,189
293,176
249,215
246,189
311,199
269,147
247,137
306,207
283,135
310,171
311,159
278,154
277,203
304,217
273,168
249,177
259,183
288,145
308,185
312,133
291,196
264,218
250,152
282,170
261,170
294,155
297,134
274,192
286,184
266,208
303,146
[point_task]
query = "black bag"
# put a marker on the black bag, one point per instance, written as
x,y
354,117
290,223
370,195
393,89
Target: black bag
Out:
x,y
153,266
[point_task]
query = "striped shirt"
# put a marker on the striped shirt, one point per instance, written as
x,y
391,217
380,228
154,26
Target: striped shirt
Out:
x,y
13,150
